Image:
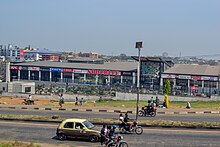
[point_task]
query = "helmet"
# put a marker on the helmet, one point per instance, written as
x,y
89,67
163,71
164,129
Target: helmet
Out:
x,y
114,126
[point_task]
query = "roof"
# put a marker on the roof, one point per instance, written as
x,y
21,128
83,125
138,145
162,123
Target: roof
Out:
x,y
153,59
120,66
75,120
192,69
43,51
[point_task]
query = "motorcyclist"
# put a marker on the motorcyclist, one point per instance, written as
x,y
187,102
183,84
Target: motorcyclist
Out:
x,y
121,121
127,121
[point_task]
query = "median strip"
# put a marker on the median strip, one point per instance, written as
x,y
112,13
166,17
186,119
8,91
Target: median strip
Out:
x,y
100,121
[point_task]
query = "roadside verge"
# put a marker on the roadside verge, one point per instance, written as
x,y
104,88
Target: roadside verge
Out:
x,y
100,121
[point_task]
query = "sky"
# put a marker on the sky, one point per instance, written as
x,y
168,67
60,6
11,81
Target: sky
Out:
x,y
111,27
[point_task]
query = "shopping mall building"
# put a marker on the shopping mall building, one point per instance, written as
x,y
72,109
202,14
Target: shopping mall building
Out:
x,y
184,78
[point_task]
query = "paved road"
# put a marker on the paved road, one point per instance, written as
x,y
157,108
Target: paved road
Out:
x,y
45,133
66,114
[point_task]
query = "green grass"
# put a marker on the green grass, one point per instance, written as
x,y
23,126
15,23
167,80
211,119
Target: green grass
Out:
x,y
115,121
173,104
18,144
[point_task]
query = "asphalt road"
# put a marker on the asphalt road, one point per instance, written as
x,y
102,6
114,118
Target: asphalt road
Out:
x,y
45,133
68,114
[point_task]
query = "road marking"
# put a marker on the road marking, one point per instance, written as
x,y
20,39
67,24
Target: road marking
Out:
x,y
145,129
29,123
181,130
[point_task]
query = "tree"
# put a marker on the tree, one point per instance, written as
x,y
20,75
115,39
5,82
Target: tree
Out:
x,y
167,91
167,87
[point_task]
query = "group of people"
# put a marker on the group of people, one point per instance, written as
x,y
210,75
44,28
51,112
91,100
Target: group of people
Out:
x,y
125,121
107,133
79,101
153,102
61,101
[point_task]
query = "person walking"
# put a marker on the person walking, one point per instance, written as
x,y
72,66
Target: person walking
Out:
x,y
61,101
76,101
81,101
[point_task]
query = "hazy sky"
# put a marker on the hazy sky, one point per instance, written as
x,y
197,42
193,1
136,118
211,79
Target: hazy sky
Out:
x,y
108,27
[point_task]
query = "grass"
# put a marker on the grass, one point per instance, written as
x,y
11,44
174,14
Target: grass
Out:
x,y
173,104
18,144
115,121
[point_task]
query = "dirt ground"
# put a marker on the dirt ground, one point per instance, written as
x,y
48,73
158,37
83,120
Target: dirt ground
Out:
x,y
17,101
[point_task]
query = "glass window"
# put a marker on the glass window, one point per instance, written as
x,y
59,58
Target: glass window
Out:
x,y
88,124
69,125
78,126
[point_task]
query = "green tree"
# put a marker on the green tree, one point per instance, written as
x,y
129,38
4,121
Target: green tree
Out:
x,y
167,87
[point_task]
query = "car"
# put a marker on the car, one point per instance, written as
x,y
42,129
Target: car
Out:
x,y
77,128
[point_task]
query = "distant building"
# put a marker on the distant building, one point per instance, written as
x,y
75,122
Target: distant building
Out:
x,y
41,55
12,53
89,55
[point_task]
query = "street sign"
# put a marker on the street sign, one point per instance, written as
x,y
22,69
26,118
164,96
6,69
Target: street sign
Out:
x,y
138,45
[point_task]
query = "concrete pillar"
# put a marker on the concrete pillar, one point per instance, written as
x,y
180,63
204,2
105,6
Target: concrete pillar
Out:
x,y
61,77
161,82
174,82
202,84
188,83
217,85
19,75
121,79
39,75
29,74
84,78
109,79
8,76
50,76
96,79
133,78
73,77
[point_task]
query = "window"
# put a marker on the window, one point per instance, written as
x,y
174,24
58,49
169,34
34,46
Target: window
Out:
x,y
78,126
88,124
69,125
27,89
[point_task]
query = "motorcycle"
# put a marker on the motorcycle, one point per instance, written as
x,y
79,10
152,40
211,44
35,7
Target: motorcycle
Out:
x,y
147,111
28,102
135,128
117,141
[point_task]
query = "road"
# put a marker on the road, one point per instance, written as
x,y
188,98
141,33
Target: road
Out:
x,y
68,114
45,133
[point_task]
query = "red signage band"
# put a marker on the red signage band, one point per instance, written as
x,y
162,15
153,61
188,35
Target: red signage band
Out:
x,y
67,70
14,67
103,72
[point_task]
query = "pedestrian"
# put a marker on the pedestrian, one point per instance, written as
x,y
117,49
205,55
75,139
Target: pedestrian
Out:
x,y
76,101
157,101
61,101
81,101
188,106
103,134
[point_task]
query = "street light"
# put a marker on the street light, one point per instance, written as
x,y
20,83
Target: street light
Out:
x,y
138,46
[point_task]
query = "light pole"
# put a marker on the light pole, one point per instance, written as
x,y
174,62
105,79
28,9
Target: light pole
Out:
x,y
138,46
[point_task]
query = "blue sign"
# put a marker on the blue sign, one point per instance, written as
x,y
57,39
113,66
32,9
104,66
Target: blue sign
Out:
x,y
56,69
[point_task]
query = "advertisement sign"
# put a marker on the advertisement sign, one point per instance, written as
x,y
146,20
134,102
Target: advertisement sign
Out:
x,y
56,69
103,72
205,78
80,71
44,69
196,77
184,77
126,73
168,76
67,70
21,53
34,68
23,68
14,67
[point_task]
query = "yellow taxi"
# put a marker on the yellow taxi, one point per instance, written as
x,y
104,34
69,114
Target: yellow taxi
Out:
x,y
77,128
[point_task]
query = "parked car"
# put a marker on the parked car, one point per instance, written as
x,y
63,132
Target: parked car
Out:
x,y
77,128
